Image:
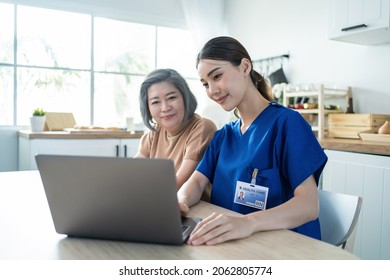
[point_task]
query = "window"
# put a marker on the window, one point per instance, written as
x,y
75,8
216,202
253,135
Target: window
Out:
x,y
90,66
6,67
53,62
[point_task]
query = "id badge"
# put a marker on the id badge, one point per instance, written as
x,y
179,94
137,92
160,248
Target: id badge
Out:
x,y
251,195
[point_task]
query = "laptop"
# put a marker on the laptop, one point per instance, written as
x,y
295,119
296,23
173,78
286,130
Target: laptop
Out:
x,y
128,199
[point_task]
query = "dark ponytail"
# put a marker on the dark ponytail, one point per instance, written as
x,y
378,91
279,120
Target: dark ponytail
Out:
x,y
261,84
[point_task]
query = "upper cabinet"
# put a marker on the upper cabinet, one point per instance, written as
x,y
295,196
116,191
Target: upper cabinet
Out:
x,y
365,22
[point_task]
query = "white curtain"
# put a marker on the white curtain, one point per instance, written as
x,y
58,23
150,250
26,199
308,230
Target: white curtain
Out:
x,y
205,19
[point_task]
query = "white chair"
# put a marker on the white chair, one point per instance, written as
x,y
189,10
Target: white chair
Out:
x,y
338,216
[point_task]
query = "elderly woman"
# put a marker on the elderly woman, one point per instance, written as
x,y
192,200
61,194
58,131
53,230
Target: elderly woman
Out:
x,y
176,132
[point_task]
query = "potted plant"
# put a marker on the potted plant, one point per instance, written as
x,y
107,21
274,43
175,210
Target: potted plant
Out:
x,y
37,121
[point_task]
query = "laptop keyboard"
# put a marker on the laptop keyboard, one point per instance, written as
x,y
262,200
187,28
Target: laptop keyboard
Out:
x,y
184,229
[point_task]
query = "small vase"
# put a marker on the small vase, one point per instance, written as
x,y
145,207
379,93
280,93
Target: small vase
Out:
x,y
385,128
37,123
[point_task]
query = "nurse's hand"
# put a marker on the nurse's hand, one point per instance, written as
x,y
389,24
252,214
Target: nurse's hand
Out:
x,y
184,209
219,228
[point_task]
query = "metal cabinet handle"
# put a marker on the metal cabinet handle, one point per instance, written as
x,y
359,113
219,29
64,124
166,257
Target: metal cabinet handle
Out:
x,y
117,150
125,146
354,27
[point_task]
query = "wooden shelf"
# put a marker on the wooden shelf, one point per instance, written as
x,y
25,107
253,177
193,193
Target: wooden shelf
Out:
x,y
318,96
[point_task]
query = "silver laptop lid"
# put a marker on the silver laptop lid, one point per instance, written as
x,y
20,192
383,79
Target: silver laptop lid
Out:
x,y
131,199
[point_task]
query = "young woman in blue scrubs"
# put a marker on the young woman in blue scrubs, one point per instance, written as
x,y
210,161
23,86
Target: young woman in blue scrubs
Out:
x,y
265,165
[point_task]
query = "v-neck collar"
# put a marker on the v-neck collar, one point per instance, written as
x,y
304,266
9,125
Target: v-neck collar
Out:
x,y
249,128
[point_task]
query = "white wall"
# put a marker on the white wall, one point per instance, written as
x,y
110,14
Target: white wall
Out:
x,y
300,27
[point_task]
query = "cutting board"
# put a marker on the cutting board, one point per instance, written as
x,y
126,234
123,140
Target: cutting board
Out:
x,y
374,136
56,121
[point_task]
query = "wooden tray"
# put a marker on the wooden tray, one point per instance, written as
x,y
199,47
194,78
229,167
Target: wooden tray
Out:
x,y
351,125
58,121
363,120
371,136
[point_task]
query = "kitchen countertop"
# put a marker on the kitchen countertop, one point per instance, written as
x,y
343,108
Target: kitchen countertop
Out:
x,y
349,145
79,135
356,145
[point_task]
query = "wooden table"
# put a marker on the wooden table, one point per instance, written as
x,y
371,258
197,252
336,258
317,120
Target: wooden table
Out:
x,y
27,233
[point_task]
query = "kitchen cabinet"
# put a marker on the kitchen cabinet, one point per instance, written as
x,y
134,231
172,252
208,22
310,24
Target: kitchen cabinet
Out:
x,y
364,22
128,147
110,147
368,176
317,116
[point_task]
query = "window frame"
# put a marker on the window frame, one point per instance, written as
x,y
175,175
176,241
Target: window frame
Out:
x,y
92,71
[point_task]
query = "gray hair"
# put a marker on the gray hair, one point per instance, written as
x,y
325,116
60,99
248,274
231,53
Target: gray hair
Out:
x,y
170,76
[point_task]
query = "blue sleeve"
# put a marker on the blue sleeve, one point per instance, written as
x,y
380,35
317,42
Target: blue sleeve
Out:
x,y
300,152
209,161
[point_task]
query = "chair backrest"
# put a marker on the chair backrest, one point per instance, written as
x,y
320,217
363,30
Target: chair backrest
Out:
x,y
338,216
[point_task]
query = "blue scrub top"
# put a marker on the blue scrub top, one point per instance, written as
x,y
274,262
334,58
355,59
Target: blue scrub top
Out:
x,y
280,144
